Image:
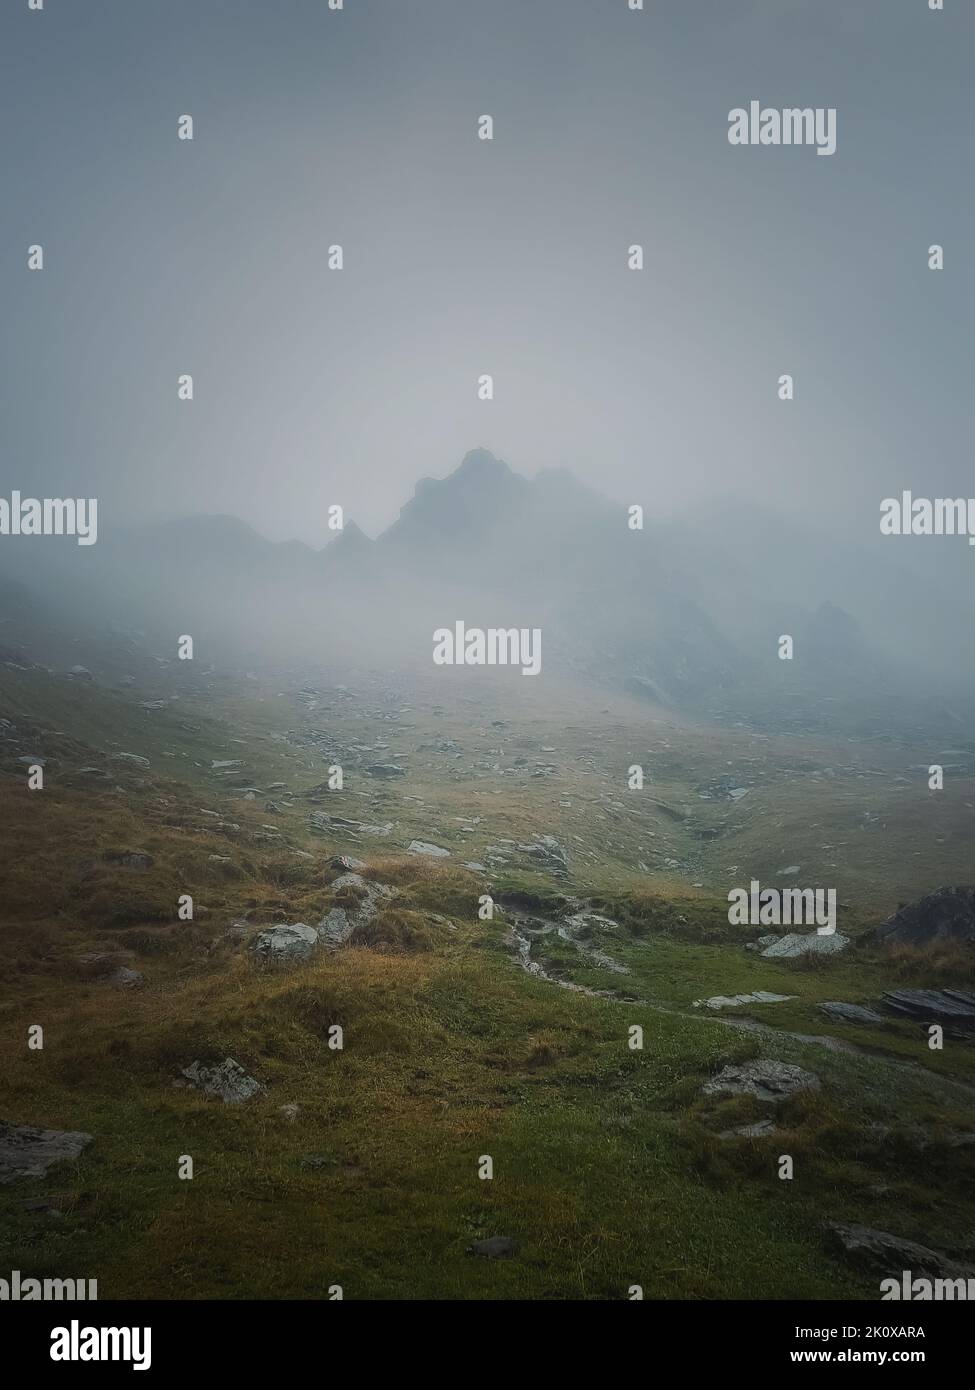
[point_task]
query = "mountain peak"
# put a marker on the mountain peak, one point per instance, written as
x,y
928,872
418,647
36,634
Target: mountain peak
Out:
x,y
481,463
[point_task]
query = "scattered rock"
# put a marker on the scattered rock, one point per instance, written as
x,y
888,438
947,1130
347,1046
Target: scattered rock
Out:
x,y
226,1081
285,945
81,673
769,1081
386,770
548,852
424,847
26,1152
346,862
131,758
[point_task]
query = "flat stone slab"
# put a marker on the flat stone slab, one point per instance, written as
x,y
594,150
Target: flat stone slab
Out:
x,y
26,1152
760,1130
424,847
850,1013
769,1081
727,1001
940,1005
806,944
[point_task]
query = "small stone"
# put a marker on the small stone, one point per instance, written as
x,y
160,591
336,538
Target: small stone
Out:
x,y
493,1248
346,862
124,978
226,1081
129,858
133,758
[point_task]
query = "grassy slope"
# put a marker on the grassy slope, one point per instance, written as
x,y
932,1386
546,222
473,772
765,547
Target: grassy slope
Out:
x,y
607,1168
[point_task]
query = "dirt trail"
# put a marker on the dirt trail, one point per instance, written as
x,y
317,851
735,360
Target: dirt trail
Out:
x,y
527,930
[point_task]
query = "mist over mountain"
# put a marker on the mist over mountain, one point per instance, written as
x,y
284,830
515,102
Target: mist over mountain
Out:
x,y
687,612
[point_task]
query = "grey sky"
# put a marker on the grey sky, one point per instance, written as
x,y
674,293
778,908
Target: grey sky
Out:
x,y
465,257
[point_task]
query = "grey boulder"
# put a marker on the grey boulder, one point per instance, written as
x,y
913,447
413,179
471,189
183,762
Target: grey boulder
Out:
x,y
285,945
226,1081
806,944
26,1152
768,1081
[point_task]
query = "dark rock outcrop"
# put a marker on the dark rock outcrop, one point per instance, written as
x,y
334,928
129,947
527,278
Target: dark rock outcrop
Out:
x,y
932,1005
947,914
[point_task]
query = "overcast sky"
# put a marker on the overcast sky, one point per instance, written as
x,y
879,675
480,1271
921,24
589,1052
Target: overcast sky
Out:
x,y
465,256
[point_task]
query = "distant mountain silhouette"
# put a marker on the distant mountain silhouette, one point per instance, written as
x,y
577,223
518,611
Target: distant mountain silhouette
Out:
x,y
681,610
